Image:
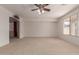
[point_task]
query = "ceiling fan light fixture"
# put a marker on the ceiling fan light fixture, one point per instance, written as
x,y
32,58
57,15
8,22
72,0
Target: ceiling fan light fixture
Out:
x,y
43,11
40,11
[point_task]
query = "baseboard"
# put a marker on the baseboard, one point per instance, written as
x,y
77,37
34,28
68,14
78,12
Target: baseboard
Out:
x,y
1,45
40,36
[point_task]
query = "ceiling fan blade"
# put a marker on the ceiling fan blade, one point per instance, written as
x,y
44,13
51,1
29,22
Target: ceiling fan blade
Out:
x,y
44,5
37,5
46,9
34,9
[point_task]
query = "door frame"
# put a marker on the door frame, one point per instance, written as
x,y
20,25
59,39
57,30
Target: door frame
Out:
x,y
11,19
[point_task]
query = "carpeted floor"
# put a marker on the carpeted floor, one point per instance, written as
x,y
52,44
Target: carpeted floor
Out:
x,y
39,46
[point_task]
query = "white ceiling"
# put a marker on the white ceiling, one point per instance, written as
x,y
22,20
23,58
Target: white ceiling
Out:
x,y
24,10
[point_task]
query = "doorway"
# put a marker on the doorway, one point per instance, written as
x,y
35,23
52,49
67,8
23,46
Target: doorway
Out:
x,y
13,29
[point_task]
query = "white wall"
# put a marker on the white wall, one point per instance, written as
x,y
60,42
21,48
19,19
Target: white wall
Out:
x,y
22,31
31,28
4,26
40,29
69,38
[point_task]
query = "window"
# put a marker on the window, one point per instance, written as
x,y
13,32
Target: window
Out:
x,y
71,25
66,27
74,24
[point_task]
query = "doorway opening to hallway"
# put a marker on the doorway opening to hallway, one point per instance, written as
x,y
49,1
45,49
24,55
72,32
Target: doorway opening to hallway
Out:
x,y
13,29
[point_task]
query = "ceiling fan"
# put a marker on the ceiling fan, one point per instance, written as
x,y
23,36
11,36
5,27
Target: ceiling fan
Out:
x,y
41,8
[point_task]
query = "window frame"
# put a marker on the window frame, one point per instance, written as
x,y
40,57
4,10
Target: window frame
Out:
x,y
76,35
64,24
70,34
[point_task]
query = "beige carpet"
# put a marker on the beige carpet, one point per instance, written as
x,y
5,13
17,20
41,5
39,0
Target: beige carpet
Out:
x,y
39,46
